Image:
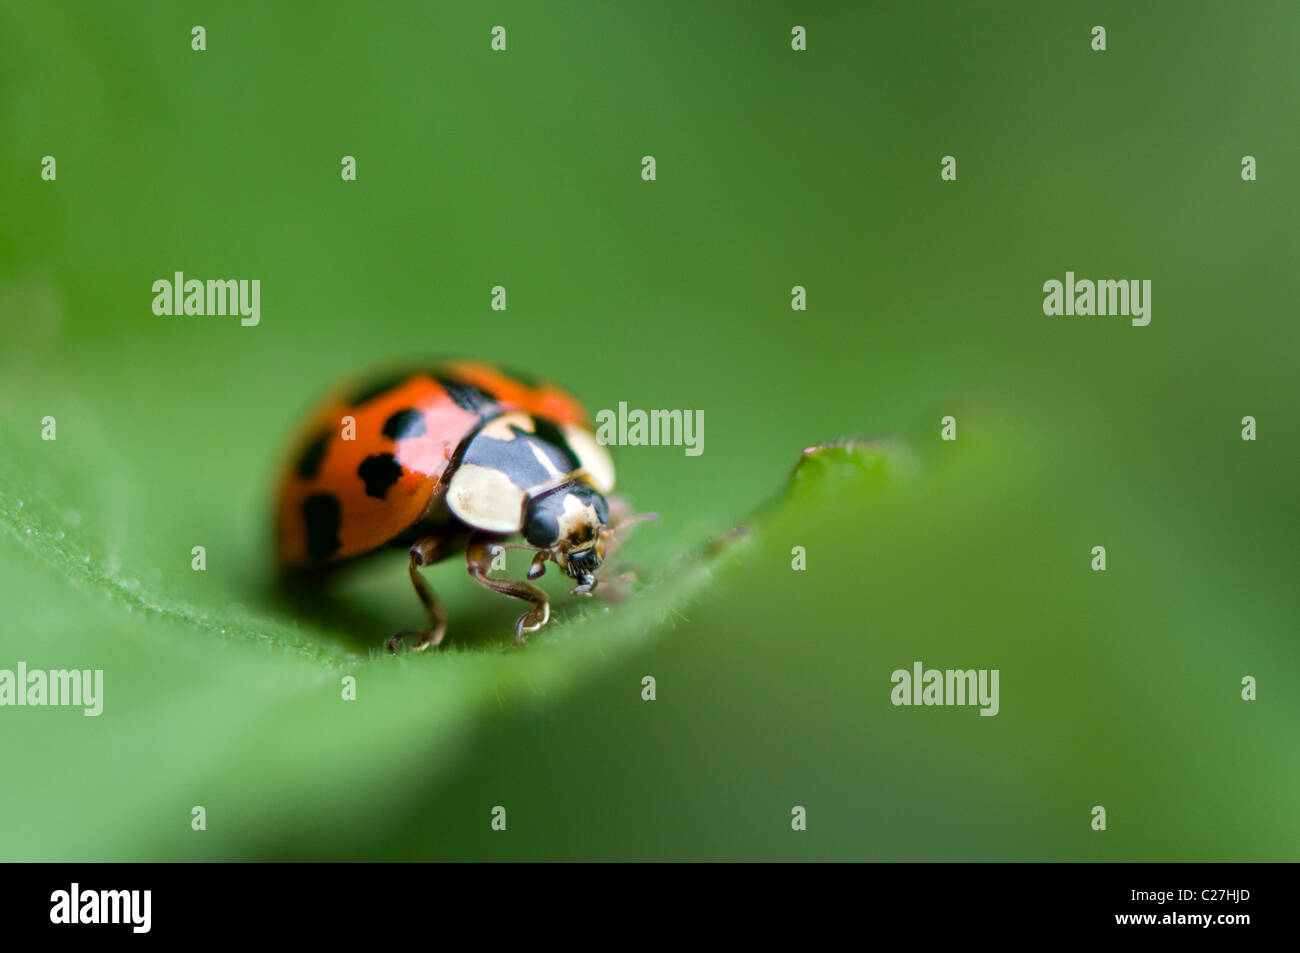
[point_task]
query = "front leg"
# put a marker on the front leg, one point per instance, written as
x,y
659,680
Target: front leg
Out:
x,y
478,558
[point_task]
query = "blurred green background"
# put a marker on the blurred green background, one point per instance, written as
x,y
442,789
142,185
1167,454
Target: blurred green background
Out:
x,y
775,169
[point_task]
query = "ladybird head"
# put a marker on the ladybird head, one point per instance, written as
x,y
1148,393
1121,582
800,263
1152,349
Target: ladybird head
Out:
x,y
568,525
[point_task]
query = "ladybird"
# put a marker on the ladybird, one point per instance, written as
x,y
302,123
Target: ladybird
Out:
x,y
445,458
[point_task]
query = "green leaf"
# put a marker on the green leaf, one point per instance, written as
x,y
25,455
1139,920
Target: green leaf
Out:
x,y
220,694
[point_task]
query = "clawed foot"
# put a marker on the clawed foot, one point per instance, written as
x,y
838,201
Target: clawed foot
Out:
x,y
531,621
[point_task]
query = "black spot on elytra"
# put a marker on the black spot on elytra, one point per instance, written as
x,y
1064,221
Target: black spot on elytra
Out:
x,y
380,472
310,461
322,514
467,397
404,424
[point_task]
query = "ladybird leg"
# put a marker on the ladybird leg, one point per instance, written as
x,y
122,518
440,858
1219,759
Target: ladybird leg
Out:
x,y
427,550
478,557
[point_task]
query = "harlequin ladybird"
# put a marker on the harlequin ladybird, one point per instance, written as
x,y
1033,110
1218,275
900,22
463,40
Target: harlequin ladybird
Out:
x,y
444,458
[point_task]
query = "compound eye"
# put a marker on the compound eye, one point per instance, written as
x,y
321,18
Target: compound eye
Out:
x,y
542,528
